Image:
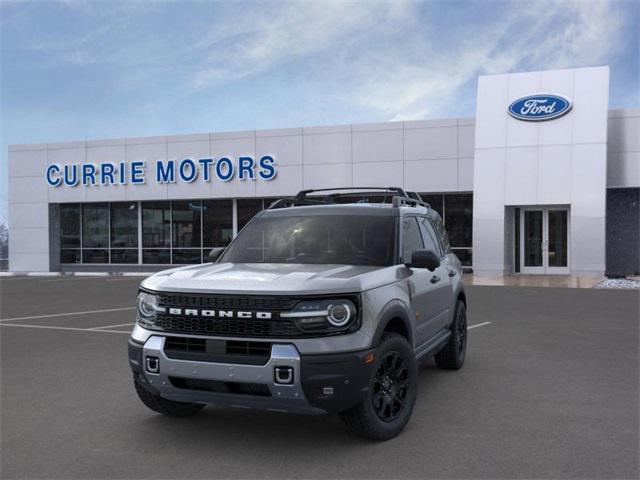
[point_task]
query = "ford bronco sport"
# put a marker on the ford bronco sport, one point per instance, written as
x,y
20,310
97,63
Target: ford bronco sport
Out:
x,y
322,303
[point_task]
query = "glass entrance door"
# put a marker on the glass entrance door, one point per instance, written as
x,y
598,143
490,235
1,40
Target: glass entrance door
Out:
x,y
544,240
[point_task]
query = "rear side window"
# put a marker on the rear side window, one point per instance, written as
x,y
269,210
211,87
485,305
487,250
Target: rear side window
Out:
x,y
411,238
430,237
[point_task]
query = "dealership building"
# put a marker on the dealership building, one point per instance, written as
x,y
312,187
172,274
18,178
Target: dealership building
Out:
x,y
545,179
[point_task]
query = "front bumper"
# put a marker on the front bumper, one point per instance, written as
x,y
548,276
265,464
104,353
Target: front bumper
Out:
x,y
319,384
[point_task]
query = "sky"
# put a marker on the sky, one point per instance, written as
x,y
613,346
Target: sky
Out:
x,y
76,70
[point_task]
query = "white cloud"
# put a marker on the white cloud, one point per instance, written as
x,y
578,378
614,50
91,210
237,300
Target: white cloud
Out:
x,y
526,36
394,58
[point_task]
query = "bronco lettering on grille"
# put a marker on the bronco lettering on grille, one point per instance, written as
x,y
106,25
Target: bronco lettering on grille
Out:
x,y
219,313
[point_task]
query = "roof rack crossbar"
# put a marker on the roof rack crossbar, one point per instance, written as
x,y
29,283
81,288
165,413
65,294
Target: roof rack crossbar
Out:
x,y
302,194
399,197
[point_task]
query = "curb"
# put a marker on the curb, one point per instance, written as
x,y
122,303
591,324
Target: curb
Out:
x,y
75,274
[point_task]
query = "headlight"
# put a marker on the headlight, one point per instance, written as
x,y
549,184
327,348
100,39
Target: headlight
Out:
x,y
148,308
324,315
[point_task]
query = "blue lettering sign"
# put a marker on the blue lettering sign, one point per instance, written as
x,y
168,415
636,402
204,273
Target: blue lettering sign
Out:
x,y
221,165
137,173
165,174
71,175
206,168
166,171
267,168
51,180
245,168
188,174
106,173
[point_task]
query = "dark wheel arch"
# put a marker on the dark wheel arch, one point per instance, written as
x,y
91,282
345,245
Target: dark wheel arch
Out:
x,y
462,296
395,319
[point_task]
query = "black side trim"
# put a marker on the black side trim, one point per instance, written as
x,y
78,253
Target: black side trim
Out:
x,y
436,343
346,373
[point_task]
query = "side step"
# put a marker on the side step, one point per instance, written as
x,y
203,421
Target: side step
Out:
x,y
437,342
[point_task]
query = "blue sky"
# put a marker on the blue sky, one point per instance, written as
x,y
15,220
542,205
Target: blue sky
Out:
x,y
74,70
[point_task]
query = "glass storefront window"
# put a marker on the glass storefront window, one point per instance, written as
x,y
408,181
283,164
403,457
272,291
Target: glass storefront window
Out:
x,y
70,255
183,232
127,255
217,223
247,209
124,225
458,218
95,225
186,224
156,224
91,255
187,255
156,255
69,226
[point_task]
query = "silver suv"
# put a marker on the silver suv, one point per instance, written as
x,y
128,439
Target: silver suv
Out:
x,y
323,303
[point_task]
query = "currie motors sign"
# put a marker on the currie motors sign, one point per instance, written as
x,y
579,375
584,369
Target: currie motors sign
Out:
x,y
540,107
187,170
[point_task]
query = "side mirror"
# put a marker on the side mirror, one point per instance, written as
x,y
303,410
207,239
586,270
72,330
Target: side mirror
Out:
x,y
215,253
424,259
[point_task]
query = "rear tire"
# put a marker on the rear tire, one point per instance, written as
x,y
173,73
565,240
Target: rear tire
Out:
x,y
452,356
164,406
392,392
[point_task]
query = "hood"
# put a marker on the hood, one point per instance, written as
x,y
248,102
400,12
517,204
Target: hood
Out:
x,y
270,278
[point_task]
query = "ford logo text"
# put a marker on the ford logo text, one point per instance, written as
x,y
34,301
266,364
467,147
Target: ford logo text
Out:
x,y
536,108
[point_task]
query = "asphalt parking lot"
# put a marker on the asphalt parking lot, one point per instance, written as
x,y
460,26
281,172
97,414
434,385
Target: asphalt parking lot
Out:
x,y
549,390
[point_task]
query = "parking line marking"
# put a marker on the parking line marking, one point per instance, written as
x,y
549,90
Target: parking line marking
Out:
x,y
479,325
68,314
69,278
50,327
113,326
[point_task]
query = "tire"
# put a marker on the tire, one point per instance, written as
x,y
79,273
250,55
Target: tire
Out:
x,y
452,356
164,406
392,392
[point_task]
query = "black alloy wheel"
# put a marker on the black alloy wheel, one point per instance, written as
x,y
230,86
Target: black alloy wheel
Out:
x,y
390,387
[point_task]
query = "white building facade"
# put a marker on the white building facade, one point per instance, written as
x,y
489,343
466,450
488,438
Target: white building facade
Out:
x,y
545,179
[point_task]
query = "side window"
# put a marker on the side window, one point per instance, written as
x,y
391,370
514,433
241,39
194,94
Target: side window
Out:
x,y
411,238
442,233
430,237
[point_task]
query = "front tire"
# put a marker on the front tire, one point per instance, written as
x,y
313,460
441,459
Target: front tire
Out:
x,y
392,392
164,406
452,356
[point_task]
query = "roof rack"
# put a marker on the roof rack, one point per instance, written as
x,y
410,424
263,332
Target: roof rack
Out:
x,y
399,196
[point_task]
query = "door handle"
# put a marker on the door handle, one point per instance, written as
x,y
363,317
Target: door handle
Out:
x,y
435,279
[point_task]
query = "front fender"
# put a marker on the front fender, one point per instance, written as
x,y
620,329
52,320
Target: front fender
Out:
x,y
395,309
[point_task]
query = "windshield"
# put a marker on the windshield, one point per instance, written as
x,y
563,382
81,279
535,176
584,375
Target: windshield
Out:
x,y
349,240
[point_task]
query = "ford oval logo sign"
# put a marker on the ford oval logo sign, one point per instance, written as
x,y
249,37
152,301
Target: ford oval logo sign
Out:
x,y
536,108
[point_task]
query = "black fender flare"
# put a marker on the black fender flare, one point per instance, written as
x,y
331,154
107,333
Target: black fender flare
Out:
x,y
393,309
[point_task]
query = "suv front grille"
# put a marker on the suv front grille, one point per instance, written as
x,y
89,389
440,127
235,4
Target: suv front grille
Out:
x,y
234,327
227,302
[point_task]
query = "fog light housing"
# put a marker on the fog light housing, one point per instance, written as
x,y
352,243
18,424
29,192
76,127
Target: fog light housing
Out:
x,y
152,364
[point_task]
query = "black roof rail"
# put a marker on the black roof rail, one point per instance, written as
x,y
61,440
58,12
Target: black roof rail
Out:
x,y
399,196
302,194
